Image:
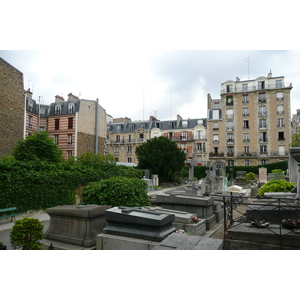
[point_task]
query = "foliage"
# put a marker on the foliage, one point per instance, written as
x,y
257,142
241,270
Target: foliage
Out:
x,y
37,146
117,191
199,172
26,234
276,186
296,139
161,156
278,174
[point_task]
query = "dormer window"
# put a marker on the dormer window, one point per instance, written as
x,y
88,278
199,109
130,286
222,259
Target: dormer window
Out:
x,y
184,124
57,109
71,108
30,105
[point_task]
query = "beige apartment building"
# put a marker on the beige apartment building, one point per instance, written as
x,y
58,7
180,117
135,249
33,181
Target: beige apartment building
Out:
x,y
250,124
124,135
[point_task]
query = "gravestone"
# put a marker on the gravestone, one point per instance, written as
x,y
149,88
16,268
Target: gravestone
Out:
x,y
240,179
76,224
208,184
155,180
147,174
218,170
149,183
191,163
262,174
137,223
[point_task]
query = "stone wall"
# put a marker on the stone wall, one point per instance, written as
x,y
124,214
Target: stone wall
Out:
x,y
86,143
11,107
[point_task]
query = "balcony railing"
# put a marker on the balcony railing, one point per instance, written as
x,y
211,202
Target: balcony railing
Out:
x,y
262,127
257,88
68,146
263,140
230,128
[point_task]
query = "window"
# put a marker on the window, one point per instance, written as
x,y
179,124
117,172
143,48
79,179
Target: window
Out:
x,y
71,108
216,114
200,147
129,149
183,135
184,124
245,87
245,98
119,127
215,126
117,138
262,97
229,113
230,162
246,124
216,105
70,123
200,122
261,85
278,84
56,136
279,96
229,125
131,127
262,110
57,109
56,124
171,124
69,153
263,137
229,88
246,137
263,149
141,135
229,100
246,149
280,109
129,138
230,137
116,150
216,150
281,150
263,162
129,159
280,122
216,138
230,150
29,121
280,136
199,134
246,162
69,139
262,123
245,111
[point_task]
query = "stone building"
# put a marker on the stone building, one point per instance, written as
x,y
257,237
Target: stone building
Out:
x,y
124,135
251,123
12,105
73,124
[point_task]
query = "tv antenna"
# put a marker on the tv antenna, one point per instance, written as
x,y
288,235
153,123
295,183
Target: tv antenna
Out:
x,y
144,102
247,59
170,106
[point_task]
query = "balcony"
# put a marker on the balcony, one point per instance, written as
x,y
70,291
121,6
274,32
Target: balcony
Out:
x,y
262,113
261,141
229,116
230,154
211,154
263,127
256,88
280,112
216,141
230,141
245,114
246,154
262,100
230,128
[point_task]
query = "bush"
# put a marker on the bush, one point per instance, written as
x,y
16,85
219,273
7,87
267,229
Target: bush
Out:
x,y
117,191
26,234
276,186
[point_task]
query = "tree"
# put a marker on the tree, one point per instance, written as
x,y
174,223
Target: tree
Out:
x,y
161,156
38,146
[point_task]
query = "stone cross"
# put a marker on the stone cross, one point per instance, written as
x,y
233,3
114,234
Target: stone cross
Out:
x,y
191,163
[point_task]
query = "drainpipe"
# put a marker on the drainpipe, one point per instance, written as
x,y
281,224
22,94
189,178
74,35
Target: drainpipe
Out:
x,y
96,127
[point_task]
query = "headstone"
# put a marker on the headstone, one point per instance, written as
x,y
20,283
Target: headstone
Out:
x,y
191,163
191,189
137,223
147,174
149,183
240,179
223,184
76,224
155,180
262,174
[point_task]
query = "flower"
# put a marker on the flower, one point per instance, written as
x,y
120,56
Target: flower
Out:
x,y
195,220
290,223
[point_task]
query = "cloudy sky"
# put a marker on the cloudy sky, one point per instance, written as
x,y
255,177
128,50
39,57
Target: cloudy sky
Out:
x,y
138,84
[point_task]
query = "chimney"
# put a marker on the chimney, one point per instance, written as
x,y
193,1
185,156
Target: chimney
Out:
x,y
270,74
28,94
72,97
59,99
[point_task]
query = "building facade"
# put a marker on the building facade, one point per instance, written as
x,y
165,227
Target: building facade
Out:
x,y
73,124
12,105
250,124
123,136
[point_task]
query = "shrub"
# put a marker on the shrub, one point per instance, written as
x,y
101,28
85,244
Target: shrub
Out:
x,y
117,191
26,234
276,186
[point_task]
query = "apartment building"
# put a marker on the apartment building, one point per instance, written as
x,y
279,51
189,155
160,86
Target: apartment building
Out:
x,y
76,125
124,136
12,105
250,124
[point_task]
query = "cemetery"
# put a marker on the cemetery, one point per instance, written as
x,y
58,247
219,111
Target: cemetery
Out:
x,y
185,217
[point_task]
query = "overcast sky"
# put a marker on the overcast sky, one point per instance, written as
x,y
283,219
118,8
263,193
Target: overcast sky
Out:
x,y
138,84
115,51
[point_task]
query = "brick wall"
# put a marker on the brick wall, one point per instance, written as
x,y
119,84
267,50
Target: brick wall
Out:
x,y
11,107
86,143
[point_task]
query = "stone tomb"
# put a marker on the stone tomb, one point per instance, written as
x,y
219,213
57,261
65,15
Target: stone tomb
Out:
x,y
183,220
200,205
135,224
76,224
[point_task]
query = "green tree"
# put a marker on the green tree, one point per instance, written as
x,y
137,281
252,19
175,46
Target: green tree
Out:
x,y
37,146
296,138
26,234
161,156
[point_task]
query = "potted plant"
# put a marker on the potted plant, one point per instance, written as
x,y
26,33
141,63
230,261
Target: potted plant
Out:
x,y
26,234
2,247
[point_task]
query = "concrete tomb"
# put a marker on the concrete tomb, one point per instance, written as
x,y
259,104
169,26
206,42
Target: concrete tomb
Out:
x,y
136,224
183,220
76,224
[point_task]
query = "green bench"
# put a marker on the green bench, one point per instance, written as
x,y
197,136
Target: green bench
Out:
x,y
8,212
